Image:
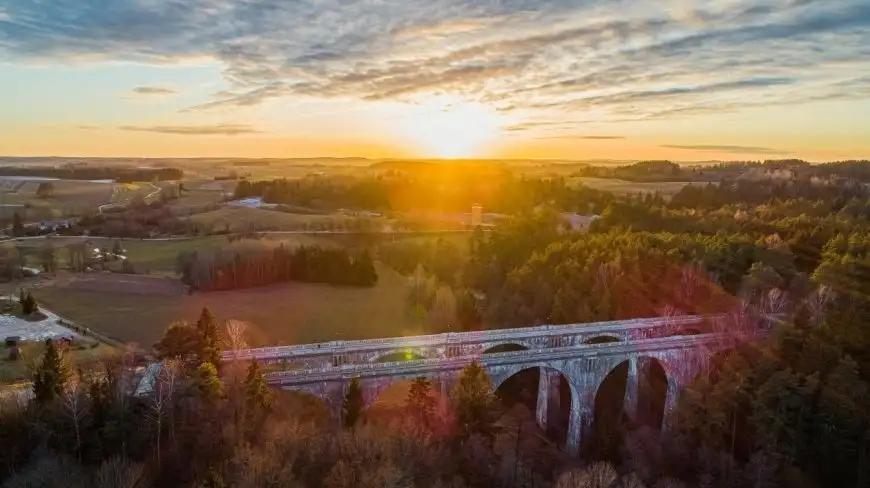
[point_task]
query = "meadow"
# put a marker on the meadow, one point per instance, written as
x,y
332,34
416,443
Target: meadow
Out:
x,y
279,314
242,219
622,187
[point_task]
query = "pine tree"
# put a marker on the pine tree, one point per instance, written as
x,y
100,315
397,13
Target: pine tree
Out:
x,y
353,404
117,249
206,384
258,397
474,403
209,349
420,404
365,270
17,225
179,341
28,306
50,377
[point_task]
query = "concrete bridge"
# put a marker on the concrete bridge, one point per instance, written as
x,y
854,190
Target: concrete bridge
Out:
x,y
337,353
577,356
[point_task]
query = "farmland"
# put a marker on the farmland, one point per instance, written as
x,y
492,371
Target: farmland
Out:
x,y
279,314
241,219
621,187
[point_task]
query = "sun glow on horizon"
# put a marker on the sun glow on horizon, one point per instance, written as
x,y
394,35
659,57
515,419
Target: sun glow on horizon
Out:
x,y
450,128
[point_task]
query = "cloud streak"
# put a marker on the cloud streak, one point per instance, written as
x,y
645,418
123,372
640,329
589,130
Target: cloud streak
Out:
x,y
545,60
726,149
194,130
153,90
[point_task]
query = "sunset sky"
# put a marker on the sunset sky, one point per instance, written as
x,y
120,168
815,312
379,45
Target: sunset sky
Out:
x,y
566,79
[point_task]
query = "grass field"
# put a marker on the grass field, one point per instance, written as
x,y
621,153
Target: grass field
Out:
x,y
621,187
240,219
281,314
159,257
21,370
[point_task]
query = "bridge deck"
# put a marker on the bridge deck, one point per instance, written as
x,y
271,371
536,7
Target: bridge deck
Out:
x,y
422,366
433,340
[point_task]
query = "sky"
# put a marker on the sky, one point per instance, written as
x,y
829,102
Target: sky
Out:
x,y
556,79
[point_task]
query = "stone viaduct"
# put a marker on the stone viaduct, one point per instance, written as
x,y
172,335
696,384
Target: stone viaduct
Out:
x,y
581,355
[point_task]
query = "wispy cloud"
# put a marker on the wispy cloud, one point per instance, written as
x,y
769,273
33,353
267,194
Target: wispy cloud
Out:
x,y
581,137
153,90
553,59
194,130
727,149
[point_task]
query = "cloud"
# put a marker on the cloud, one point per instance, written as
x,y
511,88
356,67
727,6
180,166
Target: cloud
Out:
x,y
194,130
581,137
727,149
154,90
554,59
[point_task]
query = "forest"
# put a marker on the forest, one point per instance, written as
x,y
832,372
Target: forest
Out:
x,y
785,410
232,270
443,191
650,171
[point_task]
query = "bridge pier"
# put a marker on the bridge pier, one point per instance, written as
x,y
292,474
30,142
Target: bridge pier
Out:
x,y
670,401
579,425
544,392
629,405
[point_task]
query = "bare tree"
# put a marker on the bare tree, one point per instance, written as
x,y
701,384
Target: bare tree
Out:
x,y
596,475
120,473
689,281
671,316
773,302
233,336
75,407
818,302
605,275
162,388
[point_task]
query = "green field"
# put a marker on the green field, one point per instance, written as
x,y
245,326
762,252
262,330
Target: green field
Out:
x,y
280,314
621,187
241,219
21,370
159,257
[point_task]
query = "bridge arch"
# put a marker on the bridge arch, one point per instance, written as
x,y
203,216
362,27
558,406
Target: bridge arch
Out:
x,y
602,339
506,346
638,391
399,354
548,394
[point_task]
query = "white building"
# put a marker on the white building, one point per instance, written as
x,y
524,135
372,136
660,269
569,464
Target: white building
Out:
x,y
476,215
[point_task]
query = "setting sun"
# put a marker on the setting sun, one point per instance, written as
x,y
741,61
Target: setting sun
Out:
x,y
449,127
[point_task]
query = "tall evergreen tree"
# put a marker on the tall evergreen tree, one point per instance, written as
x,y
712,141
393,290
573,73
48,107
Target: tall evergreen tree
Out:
x,y
258,397
365,270
353,404
209,348
179,341
474,403
420,403
29,306
206,384
17,225
50,377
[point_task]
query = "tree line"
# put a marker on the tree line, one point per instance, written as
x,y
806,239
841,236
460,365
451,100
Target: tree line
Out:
x,y
116,173
229,270
444,190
